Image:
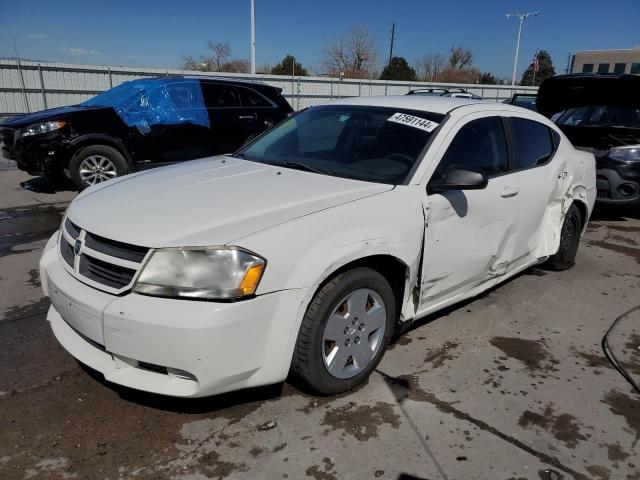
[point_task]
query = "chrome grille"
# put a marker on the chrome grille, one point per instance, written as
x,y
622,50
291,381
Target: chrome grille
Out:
x,y
98,261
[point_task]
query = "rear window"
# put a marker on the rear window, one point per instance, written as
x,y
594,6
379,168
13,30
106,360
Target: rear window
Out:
x,y
533,143
251,98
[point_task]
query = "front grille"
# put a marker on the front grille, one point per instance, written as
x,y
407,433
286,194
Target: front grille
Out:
x,y
117,265
116,249
67,251
108,274
72,229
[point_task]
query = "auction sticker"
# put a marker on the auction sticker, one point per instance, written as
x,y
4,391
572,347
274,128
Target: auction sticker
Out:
x,y
415,122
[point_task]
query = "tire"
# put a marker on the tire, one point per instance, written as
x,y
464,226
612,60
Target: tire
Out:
x,y
358,307
565,258
95,164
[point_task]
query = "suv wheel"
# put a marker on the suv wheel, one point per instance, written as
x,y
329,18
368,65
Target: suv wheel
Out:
x,y
565,258
345,331
95,164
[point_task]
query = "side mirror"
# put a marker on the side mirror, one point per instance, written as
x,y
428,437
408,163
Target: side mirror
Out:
x,y
459,178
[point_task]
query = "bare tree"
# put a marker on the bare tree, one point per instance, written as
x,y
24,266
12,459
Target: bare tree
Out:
x,y
429,66
221,52
354,56
460,57
237,65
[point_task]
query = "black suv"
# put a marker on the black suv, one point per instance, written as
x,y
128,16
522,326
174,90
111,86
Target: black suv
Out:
x,y
600,113
139,124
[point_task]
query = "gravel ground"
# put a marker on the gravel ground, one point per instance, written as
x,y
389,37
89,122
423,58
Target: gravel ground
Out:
x,y
511,385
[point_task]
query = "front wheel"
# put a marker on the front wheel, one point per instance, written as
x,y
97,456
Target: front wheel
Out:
x,y
96,164
565,258
345,331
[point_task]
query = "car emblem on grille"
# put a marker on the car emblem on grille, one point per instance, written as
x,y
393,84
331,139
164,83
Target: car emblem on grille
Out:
x,y
77,247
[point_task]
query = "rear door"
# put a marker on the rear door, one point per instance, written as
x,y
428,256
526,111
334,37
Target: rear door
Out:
x,y
258,111
230,126
537,179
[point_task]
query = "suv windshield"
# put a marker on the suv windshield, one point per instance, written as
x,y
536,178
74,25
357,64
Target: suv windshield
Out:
x,y
120,95
600,116
373,144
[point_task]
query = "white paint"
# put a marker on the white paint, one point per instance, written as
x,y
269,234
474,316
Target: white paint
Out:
x,y
307,226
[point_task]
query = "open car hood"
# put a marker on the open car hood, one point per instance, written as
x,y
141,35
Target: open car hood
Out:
x,y
579,90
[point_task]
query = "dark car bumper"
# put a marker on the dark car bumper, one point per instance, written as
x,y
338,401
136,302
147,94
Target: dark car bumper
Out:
x,y
618,185
36,156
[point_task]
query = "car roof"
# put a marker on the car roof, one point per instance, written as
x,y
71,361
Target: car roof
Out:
x,y
427,103
214,79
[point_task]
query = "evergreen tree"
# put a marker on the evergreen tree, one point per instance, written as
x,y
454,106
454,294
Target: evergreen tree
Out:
x,y
545,70
285,67
398,69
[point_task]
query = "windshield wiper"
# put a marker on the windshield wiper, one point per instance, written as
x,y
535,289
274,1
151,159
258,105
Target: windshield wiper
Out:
x,y
241,156
304,167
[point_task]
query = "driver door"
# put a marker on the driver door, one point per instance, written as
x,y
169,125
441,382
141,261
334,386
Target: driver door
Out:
x,y
469,234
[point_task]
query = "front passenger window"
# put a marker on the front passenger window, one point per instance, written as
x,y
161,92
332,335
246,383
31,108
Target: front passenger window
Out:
x,y
480,145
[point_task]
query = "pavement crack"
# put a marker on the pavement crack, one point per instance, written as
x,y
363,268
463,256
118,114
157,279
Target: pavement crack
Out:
x,y
405,387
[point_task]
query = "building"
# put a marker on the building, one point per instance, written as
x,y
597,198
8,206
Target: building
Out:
x,y
607,61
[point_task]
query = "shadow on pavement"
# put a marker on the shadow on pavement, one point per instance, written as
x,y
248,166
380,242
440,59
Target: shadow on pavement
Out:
x,y
46,185
194,405
617,214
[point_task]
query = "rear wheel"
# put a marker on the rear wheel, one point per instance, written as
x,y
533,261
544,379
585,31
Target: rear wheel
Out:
x,y
96,164
345,331
565,258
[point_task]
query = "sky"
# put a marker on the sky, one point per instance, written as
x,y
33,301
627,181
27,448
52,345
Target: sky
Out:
x,y
159,33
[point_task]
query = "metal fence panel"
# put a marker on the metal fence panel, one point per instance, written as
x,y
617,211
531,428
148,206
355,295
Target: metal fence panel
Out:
x,y
33,86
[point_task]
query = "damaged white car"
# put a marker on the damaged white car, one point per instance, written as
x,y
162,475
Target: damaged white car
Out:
x,y
304,252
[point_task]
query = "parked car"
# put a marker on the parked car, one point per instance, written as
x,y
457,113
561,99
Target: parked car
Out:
x,y
445,92
524,100
139,124
312,245
600,113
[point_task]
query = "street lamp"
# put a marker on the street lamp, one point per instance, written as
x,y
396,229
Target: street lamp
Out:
x,y
522,17
253,42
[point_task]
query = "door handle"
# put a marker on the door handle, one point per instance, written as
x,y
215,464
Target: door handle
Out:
x,y
509,192
246,117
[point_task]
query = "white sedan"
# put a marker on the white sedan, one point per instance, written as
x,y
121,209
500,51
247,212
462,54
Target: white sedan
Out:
x,y
307,250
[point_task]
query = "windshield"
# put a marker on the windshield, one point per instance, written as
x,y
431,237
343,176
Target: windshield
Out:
x,y
363,143
600,116
148,102
118,96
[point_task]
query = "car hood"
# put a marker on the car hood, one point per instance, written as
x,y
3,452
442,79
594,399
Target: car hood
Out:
x,y
212,201
51,114
571,91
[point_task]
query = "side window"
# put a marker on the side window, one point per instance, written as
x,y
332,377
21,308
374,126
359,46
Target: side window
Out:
x,y
217,95
533,143
251,98
480,144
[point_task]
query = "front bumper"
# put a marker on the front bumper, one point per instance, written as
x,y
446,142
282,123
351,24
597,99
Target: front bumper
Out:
x,y
618,185
172,347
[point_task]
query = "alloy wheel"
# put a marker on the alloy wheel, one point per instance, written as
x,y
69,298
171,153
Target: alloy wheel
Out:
x,y
97,168
353,333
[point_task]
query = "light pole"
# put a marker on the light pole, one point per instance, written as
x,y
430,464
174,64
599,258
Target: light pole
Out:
x,y
522,17
253,42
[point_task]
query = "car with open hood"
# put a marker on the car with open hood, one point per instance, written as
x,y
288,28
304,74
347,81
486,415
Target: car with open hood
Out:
x,y
306,250
601,113
141,124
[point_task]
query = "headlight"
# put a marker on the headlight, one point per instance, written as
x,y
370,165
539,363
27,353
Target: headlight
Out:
x,y
626,153
217,273
39,128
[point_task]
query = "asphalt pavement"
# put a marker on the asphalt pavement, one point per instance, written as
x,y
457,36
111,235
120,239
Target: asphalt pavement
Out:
x,y
511,385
